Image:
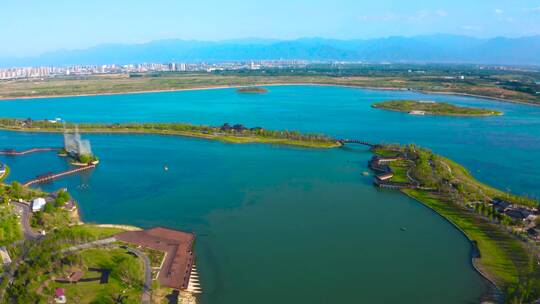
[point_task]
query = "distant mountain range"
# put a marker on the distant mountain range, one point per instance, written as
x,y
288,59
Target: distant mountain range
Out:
x,y
417,49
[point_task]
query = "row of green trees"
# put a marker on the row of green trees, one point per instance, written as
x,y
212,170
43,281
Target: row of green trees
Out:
x,y
182,127
62,198
240,131
490,212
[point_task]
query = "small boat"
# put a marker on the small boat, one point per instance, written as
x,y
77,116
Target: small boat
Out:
x,y
365,173
403,229
166,168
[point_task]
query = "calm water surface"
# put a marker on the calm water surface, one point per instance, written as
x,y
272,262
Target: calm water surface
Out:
x,y
491,147
288,225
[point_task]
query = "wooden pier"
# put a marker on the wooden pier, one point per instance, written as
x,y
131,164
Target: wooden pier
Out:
x,y
52,176
13,152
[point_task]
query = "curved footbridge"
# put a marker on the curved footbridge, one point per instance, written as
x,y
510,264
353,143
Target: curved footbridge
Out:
x,y
355,141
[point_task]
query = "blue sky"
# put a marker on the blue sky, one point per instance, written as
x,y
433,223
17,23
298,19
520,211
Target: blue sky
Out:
x,y
29,27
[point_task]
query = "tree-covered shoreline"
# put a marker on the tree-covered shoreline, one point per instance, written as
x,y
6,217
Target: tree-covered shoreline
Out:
x,y
236,133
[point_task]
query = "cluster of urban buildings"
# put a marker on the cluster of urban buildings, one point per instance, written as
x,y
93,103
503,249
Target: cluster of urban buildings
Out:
x,y
55,71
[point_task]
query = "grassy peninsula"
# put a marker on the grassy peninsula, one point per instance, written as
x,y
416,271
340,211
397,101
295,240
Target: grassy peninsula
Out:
x,y
506,253
228,133
433,108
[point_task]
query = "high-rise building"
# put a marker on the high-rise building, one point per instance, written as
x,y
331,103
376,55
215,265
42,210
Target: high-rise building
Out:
x,y
181,67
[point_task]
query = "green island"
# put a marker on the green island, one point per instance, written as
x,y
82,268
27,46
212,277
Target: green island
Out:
x,y
252,90
432,108
500,226
228,133
79,159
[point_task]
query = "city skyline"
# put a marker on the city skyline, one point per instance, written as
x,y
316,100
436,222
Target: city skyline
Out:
x,y
56,25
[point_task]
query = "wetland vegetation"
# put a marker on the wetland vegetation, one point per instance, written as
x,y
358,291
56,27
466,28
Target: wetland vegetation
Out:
x,y
433,108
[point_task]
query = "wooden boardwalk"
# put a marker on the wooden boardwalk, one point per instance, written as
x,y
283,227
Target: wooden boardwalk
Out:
x,y
13,152
52,176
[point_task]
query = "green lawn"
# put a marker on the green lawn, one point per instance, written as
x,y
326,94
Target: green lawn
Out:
x,y
94,292
10,228
399,168
95,231
78,234
384,151
503,257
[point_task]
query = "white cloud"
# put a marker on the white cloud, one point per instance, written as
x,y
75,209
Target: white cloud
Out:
x,y
414,17
442,13
379,18
420,15
501,16
471,28
532,9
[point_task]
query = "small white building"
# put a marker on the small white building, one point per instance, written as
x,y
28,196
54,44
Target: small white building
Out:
x,y
38,204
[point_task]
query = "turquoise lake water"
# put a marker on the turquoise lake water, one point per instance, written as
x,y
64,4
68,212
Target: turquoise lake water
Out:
x,y
288,225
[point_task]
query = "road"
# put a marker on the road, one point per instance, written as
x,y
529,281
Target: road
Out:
x,y
147,284
26,214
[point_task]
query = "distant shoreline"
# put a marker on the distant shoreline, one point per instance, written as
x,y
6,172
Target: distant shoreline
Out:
x,y
221,87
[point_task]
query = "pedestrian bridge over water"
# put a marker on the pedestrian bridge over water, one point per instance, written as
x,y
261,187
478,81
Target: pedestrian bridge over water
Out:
x,y
355,141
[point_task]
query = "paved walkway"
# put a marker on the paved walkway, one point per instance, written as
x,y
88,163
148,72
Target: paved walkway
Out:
x,y
147,284
102,242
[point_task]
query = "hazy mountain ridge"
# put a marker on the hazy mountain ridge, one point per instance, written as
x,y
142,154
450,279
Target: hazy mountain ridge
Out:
x,y
426,49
